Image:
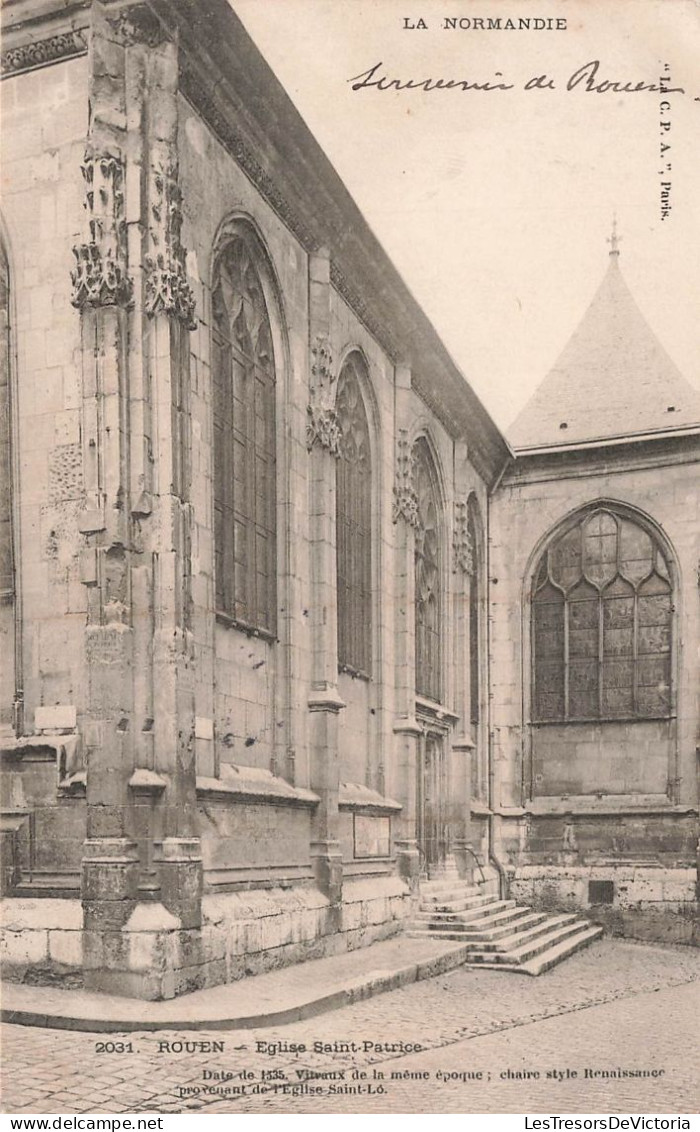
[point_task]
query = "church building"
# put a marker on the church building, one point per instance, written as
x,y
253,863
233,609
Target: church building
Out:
x,y
289,631
594,602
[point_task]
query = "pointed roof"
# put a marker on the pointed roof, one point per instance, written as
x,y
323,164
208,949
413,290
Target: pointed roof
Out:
x,y
613,379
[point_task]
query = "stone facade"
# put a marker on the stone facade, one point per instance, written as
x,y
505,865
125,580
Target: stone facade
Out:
x,y
193,793
605,800
202,797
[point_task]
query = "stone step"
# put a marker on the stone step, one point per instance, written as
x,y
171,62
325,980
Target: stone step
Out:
x,y
494,935
468,904
435,898
440,910
473,933
442,933
498,934
546,959
497,911
505,925
506,913
534,960
523,934
513,950
492,916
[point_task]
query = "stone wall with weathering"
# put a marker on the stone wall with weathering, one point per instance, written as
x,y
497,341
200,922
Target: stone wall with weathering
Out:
x,y
249,688
612,801
159,758
44,676
253,693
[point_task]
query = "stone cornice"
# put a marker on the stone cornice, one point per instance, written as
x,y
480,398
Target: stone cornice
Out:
x,y
36,33
357,796
38,53
628,454
620,805
362,309
247,785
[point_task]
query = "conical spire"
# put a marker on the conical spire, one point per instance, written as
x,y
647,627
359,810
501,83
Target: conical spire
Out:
x,y
613,378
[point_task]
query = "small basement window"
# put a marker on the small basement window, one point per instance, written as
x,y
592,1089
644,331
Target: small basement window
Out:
x,y
601,891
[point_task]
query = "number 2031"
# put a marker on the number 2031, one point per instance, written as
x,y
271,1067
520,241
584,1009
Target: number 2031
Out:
x,y
114,1047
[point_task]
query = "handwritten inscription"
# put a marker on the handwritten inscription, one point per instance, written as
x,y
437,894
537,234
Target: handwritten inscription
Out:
x,y
374,78
589,78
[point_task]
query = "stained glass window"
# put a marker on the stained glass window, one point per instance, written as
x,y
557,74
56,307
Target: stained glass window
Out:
x,y
601,623
353,525
243,368
427,574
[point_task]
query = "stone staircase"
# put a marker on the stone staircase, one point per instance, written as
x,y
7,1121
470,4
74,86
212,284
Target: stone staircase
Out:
x,y
499,934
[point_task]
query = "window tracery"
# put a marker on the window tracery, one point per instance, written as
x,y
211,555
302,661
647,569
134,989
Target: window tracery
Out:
x,y
353,525
244,380
602,611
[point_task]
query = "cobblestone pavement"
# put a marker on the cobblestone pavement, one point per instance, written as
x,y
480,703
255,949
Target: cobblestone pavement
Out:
x,y
618,1005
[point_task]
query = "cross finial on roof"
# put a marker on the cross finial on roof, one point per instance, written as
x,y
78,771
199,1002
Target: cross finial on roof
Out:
x,y
614,239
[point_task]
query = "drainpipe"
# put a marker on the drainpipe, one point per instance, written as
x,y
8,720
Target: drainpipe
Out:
x,y
494,859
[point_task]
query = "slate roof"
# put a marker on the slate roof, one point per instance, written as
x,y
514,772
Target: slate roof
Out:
x,y
613,379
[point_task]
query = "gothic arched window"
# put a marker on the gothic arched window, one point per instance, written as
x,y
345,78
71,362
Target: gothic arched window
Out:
x,y
353,526
602,611
427,574
7,564
243,371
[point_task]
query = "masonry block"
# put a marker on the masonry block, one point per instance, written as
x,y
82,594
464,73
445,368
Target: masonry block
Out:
x,y
24,948
66,948
59,717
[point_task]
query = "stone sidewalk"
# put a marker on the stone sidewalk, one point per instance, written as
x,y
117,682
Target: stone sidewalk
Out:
x,y
287,995
615,1003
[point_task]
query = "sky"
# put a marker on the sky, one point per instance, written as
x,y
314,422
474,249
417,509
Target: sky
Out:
x,y
495,205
